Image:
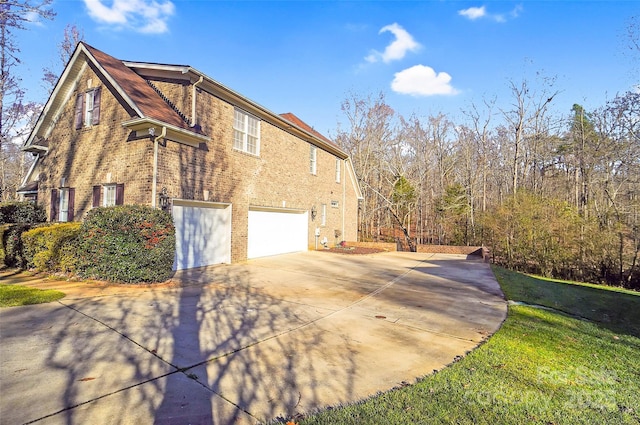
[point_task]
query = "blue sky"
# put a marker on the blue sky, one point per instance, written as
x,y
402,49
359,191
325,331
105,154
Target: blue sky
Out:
x,y
306,56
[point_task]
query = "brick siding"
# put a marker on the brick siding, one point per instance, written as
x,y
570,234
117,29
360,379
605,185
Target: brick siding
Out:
x,y
279,177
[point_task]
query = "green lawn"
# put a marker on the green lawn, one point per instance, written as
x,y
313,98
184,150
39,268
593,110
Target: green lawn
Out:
x,y
541,367
15,295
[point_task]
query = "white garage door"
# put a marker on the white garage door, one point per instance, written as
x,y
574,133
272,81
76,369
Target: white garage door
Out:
x,y
276,231
203,234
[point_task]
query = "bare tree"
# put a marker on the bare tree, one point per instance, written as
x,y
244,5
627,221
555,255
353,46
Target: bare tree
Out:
x,y
72,36
16,114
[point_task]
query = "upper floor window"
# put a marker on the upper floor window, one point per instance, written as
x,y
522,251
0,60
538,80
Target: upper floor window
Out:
x,y
338,170
246,132
87,111
312,160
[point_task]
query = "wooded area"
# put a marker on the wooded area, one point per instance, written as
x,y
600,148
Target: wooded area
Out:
x,y
553,195
548,194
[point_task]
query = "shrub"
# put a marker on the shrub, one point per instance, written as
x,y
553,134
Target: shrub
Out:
x,y
21,212
13,254
130,243
52,248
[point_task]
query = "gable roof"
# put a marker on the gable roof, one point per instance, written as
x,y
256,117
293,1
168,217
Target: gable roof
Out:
x,y
138,97
145,98
148,108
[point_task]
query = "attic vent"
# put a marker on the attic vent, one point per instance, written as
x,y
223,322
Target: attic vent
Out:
x,y
170,103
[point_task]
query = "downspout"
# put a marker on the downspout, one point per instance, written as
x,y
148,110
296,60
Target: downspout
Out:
x,y
154,189
193,101
343,176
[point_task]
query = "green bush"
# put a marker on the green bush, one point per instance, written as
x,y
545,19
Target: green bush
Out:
x,y
130,244
13,254
21,212
52,248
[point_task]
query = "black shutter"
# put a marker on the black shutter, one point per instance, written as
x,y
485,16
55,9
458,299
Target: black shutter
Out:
x,y
53,211
96,196
71,204
120,194
96,107
79,110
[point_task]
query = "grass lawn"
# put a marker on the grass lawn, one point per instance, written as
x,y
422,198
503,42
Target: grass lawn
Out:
x,y
15,295
541,367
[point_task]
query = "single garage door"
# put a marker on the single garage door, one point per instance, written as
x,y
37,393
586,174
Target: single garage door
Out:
x,y
203,233
275,231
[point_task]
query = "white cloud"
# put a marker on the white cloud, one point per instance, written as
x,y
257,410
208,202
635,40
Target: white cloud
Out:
x,y
145,16
398,48
473,13
421,80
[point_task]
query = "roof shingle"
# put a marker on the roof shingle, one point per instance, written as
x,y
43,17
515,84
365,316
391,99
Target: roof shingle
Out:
x,y
139,91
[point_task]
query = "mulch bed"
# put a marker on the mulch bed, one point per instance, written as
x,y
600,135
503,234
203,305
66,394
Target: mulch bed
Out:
x,y
353,250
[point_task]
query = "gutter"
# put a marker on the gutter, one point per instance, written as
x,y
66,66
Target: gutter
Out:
x,y
154,184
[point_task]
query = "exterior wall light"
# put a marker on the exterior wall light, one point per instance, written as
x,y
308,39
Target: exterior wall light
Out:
x,y
314,213
164,199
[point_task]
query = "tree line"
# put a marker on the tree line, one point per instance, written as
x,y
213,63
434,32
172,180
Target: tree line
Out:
x,y
548,194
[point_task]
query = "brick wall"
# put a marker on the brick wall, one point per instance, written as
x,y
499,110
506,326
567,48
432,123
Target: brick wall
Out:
x,y
278,177
449,249
95,155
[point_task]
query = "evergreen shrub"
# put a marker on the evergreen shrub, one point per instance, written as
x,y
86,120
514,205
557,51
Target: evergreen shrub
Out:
x,y
129,244
52,248
21,212
12,250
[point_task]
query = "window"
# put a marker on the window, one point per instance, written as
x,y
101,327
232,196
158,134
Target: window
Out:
x,y
246,132
87,108
338,170
108,195
323,218
335,204
312,160
62,204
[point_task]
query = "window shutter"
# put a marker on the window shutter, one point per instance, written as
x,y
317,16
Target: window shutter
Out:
x,y
120,194
53,212
72,193
96,106
79,110
96,196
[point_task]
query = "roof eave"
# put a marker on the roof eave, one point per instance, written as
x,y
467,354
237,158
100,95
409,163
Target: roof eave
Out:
x,y
174,133
225,93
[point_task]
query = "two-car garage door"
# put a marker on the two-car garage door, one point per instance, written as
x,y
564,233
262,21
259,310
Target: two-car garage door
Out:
x,y
275,231
203,232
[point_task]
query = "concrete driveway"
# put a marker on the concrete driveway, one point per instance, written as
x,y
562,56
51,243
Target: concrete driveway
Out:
x,y
240,344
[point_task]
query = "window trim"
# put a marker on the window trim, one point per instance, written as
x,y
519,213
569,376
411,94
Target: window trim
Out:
x,y
338,170
99,198
106,188
87,113
244,132
58,197
323,215
313,160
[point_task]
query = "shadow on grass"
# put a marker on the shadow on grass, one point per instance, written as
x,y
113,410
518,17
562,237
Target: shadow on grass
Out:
x,y
614,310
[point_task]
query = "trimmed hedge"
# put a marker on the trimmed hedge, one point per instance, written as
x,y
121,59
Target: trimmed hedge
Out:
x,y
12,253
21,212
52,248
130,243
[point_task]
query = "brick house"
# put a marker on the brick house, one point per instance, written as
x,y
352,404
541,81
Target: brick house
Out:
x,y
240,181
